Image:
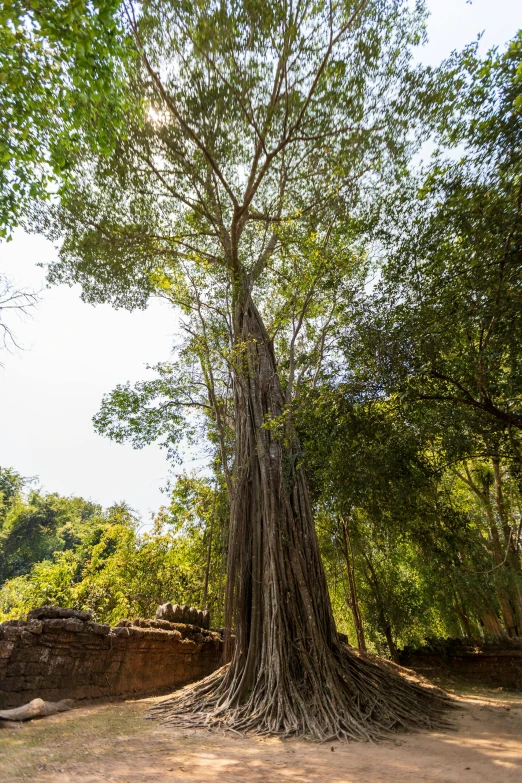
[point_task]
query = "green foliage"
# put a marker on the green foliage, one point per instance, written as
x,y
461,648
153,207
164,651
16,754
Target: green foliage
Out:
x,y
35,526
421,541
68,552
155,410
11,485
423,417
242,157
60,93
374,475
443,325
51,583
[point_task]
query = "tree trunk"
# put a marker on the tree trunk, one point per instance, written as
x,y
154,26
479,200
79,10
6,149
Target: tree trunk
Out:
x,y
289,673
511,548
507,612
462,614
492,623
498,556
498,560
277,597
354,599
488,615
383,621
509,538
204,600
391,643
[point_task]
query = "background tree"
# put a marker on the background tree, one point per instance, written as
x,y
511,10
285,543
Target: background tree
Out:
x,y
71,552
34,525
436,339
397,524
442,327
12,301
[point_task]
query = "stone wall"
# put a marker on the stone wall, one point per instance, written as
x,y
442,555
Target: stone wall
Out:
x,y
491,664
71,658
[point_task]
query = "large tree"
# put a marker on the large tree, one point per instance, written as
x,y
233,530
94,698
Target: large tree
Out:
x,y
263,125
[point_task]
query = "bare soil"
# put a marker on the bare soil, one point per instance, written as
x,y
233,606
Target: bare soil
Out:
x,y
117,742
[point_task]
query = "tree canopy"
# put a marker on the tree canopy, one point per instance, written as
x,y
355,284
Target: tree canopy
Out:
x,y
60,93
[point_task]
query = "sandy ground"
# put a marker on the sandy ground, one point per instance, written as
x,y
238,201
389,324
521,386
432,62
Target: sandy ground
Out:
x,y
116,742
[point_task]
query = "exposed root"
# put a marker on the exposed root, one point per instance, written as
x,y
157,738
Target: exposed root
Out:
x,y
368,703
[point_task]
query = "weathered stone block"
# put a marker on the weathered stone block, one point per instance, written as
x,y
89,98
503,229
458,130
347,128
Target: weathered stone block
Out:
x,y
120,631
55,612
97,628
165,612
54,625
91,639
74,626
11,632
497,664
6,649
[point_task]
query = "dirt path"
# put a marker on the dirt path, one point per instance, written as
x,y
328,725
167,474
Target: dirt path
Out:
x,y
116,742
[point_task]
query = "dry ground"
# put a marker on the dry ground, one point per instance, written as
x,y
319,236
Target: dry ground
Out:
x,y
116,742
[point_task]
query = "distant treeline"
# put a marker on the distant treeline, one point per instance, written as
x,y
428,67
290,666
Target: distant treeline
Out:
x,y
70,552
419,552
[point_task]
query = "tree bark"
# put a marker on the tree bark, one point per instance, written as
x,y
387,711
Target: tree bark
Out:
x,y
391,643
498,558
511,549
289,674
204,600
462,614
354,598
488,615
492,623
277,594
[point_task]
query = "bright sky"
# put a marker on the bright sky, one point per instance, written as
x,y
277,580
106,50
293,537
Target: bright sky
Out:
x,y
74,352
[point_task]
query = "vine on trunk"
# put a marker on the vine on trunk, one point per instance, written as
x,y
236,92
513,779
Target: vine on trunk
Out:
x,y
289,673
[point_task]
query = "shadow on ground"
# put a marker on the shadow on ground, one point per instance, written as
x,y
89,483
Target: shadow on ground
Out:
x,y
116,742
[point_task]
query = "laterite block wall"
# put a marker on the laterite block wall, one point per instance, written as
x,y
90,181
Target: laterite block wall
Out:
x,y
66,658
497,665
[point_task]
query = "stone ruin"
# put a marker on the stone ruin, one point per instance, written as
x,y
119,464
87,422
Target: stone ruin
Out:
x,y
175,613
57,613
493,663
61,653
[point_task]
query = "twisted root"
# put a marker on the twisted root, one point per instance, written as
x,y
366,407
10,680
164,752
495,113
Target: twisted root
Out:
x,y
364,701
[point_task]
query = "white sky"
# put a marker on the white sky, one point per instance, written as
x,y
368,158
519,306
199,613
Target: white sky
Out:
x,y
74,352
